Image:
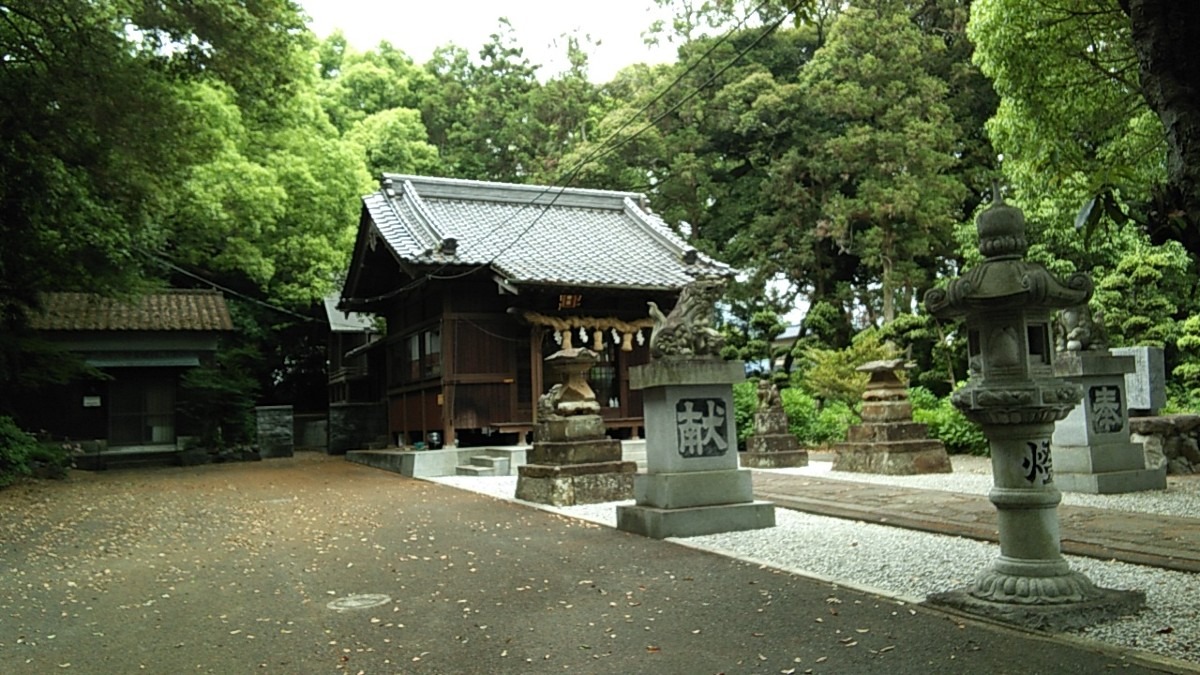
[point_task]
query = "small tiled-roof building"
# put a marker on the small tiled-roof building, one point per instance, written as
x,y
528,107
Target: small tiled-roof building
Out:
x,y
479,282
142,346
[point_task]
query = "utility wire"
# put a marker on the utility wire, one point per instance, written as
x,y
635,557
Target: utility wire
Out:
x,y
602,150
224,289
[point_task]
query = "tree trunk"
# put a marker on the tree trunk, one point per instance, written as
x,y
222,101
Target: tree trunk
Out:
x,y
1165,37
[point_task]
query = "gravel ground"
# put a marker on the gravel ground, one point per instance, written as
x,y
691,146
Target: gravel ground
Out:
x,y
911,565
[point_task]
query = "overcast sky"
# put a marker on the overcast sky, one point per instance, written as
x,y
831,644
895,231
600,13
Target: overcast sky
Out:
x,y
418,27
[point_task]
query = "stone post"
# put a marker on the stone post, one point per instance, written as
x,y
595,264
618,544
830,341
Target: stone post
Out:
x,y
1013,395
1091,445
692,485
772,444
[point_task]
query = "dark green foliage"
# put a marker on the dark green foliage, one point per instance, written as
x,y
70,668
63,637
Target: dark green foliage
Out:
x,y
816,424
51,460
948,425
745,402
217,400
16,446
809,421
831,375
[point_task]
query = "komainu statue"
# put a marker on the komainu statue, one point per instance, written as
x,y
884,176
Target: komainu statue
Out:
x,y
1077,329
688,331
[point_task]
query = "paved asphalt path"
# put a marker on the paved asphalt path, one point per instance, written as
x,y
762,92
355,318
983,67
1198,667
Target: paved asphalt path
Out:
x,y
231,569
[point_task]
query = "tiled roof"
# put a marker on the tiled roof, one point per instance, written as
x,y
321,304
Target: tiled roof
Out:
x,y
346,322
533,234
182,310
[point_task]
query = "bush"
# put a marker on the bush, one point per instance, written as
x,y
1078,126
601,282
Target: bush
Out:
x,y
745,402
960,435
832,375
16,446
809,421
816,424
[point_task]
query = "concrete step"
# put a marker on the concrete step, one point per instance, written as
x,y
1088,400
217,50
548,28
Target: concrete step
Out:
x,y
474,470
499,464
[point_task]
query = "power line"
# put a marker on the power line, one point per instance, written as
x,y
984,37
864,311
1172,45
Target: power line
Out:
x,y
224,289
602,151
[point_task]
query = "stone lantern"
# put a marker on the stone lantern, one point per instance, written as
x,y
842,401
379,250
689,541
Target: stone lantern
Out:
x,y
1013,394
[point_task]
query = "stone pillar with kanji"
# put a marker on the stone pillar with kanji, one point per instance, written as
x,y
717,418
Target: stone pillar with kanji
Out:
x,y
1092,449
692,485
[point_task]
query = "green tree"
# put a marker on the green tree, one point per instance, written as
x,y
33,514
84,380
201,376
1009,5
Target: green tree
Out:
x,y
1095,106
892,150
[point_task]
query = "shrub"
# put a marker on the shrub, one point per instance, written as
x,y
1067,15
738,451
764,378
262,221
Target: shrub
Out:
x,y
16,446
960,435
745,402
816,424
832,375
809,421
51,460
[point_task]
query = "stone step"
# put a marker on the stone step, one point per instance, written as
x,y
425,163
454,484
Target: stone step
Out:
x,y
499,464
474,470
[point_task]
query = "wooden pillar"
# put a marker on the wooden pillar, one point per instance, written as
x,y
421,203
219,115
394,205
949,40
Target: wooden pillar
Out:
x,y
449,367
536,335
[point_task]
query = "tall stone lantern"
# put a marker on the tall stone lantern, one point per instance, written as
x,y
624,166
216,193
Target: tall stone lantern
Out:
x,y
1013,394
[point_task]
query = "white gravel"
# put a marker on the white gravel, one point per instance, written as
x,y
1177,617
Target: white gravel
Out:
x,y
910,564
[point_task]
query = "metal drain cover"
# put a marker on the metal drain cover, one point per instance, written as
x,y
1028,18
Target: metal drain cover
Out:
x,y
362,601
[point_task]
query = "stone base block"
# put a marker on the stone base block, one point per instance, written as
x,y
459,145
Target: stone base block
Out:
x,y
892,459
886,411
1108,605
693,488
274,452
696,521
1112,482
573,428
770,422
573,484
888,432
772,443
575,452
1097,458
778,459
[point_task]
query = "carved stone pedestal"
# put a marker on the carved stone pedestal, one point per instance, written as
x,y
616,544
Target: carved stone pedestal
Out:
x,y
888,441
772,446
572,461
1030,583
693,485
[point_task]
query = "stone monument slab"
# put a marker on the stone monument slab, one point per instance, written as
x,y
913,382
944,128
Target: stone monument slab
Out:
x,y
1146,386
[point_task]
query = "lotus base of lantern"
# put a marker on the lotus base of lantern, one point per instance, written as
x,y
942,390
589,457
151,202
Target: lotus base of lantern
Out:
x,y
1054,603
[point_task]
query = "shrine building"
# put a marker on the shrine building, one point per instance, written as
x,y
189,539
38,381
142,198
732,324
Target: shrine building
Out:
x,y
479,282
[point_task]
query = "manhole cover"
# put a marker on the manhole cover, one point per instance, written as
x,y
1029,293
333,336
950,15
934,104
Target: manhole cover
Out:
x,y
362,601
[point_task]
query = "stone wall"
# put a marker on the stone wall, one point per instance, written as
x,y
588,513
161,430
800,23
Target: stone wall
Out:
x,y
1169,439
275,431
356,426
